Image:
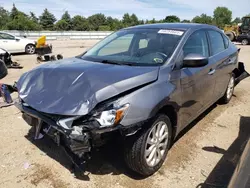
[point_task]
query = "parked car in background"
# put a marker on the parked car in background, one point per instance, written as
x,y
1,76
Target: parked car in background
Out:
x,y
143,84
15,44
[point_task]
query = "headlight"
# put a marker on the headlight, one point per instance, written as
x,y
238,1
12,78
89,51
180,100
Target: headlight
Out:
x,y
111,116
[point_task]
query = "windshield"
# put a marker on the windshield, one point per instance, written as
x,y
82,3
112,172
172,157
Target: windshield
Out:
x,y
246,22
136,47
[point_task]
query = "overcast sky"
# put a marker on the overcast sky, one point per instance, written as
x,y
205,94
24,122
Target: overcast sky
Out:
x,y
144,9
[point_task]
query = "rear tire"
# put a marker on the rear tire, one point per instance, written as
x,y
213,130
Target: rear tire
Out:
x,y
146,152
30,49
230,35
229,91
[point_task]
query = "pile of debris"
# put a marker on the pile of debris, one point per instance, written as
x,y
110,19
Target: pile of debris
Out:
x,y
5,57
43,50
5,91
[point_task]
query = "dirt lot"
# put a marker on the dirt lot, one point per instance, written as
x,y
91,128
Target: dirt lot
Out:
x,y
206,152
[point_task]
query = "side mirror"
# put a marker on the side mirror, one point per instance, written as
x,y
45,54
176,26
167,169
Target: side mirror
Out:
x,y
17,39
195,60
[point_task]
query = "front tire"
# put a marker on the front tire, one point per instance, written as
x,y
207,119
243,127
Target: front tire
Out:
x,y
146,153
30,49
229,91
245,42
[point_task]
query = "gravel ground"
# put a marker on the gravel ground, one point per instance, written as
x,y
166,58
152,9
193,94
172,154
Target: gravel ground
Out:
x,y
205,154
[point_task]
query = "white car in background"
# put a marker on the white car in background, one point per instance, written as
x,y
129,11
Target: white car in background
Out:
x,y
15,44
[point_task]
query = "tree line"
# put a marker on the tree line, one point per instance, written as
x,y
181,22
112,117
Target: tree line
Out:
x,y
18,20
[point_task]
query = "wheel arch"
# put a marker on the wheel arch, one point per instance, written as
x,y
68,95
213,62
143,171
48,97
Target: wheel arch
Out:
x,y
171,110
30,44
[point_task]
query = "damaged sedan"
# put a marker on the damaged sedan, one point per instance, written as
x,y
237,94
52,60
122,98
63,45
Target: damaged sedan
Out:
x,y
143,84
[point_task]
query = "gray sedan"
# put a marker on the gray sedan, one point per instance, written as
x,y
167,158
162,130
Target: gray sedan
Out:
x,y
142,84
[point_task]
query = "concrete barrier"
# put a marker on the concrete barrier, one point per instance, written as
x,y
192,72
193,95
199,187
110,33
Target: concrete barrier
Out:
x,y
62,35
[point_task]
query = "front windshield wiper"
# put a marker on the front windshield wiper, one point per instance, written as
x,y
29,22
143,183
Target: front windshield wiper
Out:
x,y
117,62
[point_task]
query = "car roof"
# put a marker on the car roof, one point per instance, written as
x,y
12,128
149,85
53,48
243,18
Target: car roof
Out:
x,y
5,32
179,26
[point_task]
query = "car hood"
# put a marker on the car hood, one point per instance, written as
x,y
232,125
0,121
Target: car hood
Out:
x,y
75,86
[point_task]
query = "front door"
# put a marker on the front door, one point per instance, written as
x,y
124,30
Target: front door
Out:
x,y
8,42
197,84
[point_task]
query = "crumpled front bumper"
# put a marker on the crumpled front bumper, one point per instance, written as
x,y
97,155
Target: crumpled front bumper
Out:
x,y
76,142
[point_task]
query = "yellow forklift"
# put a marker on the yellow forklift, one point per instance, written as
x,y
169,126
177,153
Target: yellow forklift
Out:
x,y
234,31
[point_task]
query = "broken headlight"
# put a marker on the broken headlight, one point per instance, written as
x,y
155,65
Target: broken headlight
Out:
x,y
111,116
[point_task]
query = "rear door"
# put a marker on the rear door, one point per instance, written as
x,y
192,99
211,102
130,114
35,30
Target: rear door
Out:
x,y
197,84
224,60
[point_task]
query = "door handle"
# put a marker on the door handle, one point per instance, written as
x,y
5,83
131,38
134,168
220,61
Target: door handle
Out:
x,y
5,41
211,72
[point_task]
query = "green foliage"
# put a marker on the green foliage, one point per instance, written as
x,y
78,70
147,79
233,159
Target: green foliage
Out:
x,y
66,17
4,18
104,28
222,16
79,23
33,17
47,20
126,20
65,24
17,20
185,21
113,23
172,19
141,22
203,19
134,20
22,22
151,21
61,25
131,20
95,21
14,12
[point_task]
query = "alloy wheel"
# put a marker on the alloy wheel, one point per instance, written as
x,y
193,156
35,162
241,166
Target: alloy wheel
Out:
x,y
30,49
244,42
156,144
230,88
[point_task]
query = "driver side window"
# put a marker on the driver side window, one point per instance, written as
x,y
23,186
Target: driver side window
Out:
x,y
6,36
197,43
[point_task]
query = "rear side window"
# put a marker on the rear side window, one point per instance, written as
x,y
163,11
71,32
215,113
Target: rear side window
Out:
x,y
197,43
217,42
